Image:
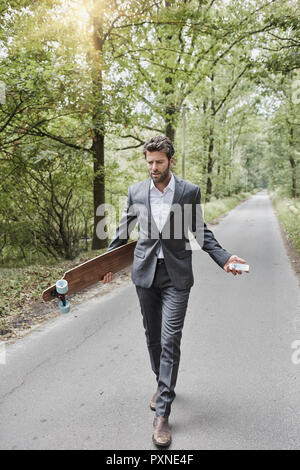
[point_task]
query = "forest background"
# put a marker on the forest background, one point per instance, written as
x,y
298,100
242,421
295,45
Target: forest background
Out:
x,y
84,83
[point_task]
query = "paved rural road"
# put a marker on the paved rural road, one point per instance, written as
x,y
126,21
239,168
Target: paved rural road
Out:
x,y
83,381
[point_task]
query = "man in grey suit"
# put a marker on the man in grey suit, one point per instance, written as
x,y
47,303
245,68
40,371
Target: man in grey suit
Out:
x,y
166,209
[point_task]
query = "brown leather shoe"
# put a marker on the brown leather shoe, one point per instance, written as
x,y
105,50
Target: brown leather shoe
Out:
x,y
153,400
162,432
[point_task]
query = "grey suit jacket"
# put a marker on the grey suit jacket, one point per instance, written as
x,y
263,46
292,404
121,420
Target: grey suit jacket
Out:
x,y
185,214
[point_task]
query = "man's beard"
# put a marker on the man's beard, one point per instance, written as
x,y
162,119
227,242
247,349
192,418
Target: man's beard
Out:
x,y
164,175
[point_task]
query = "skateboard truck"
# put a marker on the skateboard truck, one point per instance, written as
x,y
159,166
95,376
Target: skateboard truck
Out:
x,y
61,288
89,273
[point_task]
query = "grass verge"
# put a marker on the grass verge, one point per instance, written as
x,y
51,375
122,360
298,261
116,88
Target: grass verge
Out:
x,y
218,207
288,211
21,289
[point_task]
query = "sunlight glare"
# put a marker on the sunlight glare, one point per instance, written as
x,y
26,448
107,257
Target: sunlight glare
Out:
x,y
80,13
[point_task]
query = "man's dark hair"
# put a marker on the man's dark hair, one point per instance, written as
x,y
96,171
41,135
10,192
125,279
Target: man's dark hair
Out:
x,y
159,143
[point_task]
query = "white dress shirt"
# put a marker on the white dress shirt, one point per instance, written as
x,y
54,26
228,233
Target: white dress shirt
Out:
x,y
161,203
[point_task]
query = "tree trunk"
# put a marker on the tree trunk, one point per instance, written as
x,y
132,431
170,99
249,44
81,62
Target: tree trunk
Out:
x,y
98,120
170,108
210,162
293,164
170,129
170,111
98,186
205,147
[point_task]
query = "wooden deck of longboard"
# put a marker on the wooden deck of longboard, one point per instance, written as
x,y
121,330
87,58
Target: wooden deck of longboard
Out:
x,y
92,271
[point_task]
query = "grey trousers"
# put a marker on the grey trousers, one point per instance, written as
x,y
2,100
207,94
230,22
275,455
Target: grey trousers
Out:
x,y
163,308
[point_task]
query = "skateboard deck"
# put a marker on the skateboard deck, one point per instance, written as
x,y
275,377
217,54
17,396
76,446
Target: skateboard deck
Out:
x,y
89,273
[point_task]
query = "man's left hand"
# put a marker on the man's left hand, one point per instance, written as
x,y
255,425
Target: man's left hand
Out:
x,y
233,259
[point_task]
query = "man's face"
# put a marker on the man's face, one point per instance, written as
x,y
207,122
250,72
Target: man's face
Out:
x,y
158,165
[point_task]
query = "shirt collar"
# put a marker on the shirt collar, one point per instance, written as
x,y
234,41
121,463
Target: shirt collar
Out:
x,y
170,186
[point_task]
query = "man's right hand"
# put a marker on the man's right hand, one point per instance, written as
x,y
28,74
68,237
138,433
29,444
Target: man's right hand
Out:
x,y
107,278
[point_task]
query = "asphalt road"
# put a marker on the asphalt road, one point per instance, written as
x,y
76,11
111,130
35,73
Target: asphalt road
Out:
x,y
83,380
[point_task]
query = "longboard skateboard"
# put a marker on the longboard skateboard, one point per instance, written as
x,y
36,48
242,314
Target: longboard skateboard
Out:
x,y
89,273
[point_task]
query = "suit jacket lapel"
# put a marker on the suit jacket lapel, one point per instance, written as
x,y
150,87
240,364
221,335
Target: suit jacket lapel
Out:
x,y
153,231
179,185
168,227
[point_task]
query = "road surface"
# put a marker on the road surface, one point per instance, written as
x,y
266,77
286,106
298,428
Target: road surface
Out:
x,y
83,380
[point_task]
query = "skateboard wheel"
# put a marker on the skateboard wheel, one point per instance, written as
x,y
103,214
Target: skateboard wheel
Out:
x,y
64,308
62,286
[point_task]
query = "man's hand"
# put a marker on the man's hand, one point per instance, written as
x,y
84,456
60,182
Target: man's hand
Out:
x,y
233,259
107,278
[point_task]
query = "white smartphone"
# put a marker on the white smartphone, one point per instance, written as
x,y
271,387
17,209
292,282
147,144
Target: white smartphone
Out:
x,y
239,267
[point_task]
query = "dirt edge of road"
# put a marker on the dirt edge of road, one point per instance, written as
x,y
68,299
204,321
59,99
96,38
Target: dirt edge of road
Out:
x,y
42,312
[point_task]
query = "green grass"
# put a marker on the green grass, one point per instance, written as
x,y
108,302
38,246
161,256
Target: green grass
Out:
x,y
288,211
21,288
218,207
